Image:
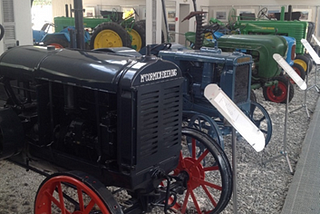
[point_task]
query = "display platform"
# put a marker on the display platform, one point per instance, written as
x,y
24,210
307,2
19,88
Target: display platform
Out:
x,y
304,191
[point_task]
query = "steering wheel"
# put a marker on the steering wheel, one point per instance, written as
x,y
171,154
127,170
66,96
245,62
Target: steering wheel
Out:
x,y
263,13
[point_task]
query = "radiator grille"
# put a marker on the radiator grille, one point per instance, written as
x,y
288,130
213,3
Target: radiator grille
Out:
x,y
159,120
241,83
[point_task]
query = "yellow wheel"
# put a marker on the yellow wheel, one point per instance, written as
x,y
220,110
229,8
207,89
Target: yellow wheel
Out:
x,y
107,38
109,35
303,61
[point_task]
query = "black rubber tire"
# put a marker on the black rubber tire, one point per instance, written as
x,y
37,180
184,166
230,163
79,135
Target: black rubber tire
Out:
x,y
280,96
220,160
142,33
307,60
310,61
63,42
142,23
261,118
116,28
299,70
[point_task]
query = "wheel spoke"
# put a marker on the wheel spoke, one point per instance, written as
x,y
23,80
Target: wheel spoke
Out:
x,y
195,201
261,119
212,185
80,197
53,199
185,202
202,156
63,209
209,195
89,207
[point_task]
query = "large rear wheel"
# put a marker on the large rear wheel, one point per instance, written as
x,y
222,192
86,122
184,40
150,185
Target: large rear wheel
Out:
x,y
109,35
76,193
204,173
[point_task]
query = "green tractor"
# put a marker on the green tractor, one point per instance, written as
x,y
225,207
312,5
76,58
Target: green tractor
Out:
x,y
108,32
285,24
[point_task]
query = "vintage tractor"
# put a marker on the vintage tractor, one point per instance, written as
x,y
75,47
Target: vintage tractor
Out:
x,y
232,72
265,73
110,31
280,24
90,120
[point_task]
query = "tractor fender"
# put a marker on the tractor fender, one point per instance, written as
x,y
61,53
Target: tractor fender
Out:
x,y
264,46
291,54
62,35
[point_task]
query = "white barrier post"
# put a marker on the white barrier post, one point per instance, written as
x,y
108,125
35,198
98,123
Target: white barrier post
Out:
x,y
303,86
239,122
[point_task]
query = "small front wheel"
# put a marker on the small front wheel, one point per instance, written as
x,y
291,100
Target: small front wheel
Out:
x,y
76,193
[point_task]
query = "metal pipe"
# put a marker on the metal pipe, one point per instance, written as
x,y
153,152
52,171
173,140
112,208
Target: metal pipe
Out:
x,y
290,12
282,14
165,19
67,10
78,19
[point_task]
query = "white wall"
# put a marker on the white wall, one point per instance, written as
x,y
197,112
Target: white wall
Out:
x,y
259,2
22,16
22,19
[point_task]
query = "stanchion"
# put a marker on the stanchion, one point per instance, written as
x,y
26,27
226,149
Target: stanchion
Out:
x,y
304,104
284,152
316,59
315,85
240,122
234,171
302,84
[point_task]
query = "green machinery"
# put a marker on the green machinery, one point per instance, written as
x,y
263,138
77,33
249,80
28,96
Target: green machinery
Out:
x,y
110,31
278,25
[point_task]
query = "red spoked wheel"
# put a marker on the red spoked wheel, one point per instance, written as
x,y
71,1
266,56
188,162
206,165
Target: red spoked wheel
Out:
x,y
205,175
278,93
74,193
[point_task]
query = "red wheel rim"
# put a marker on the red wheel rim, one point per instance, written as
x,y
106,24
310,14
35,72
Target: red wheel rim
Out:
x,y
45,197
277,94
57,46
197,179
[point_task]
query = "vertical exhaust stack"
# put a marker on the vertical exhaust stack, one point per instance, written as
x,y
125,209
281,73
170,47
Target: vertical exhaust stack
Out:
x,y
78,19
290,12
67,10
